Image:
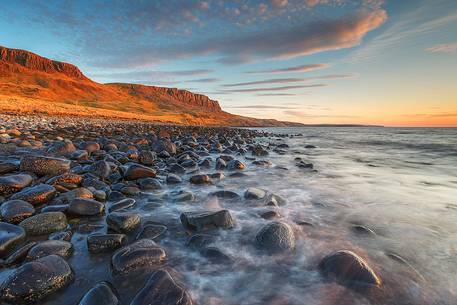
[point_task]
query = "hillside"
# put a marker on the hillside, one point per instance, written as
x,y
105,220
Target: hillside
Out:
x,y
30,83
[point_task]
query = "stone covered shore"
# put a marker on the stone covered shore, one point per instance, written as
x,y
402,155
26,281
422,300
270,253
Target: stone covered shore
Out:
x,y
58,173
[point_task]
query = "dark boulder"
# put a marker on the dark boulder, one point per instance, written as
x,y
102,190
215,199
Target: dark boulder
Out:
x,y
37,194
10,236
49,247
97,243
276,237
14,183
204,220
14,211
102,293
44,166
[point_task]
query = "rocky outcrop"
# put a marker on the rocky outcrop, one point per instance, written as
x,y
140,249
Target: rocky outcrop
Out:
x,y
33,61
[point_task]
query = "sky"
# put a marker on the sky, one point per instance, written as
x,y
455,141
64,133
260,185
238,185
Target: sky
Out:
x,y
392,63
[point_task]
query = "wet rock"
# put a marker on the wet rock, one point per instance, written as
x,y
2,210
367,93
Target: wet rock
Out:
x,y
102,293
225,194
348,268
254,193
136,171
35,280
146,157
49,247
97,243
203,220
183,196
130,191
216,256
63,235
14,183
10,236
276,237
264,163
122,204
200,240
143,253
67,178
101,169
310,146
259,151
14,211
55,208
162,289
152,231
62,148
85,207
220,164
37,194
274,200
164,145
8,167
270,215
19,255
44,223
69,196
44,166
123,222
200,179
173,179
235,165
149,184
90,146
303,164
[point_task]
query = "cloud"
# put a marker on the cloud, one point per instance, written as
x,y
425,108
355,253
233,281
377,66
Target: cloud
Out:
x,y
443,48
203,80
302,114
289,80
261,107
148,75
296,69
284,88
277,94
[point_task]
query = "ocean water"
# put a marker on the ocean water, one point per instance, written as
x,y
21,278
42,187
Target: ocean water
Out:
x,y
398,183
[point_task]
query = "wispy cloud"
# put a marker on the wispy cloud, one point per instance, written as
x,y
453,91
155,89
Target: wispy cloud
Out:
x,y
295,69
203,80
303,114
283,88
289,80
261,107
443,48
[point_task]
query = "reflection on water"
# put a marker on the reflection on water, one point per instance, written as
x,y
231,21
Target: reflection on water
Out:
x,y
388,194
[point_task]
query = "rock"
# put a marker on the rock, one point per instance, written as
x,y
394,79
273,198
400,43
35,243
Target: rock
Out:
x,y
37,194
173,179
274,200
122,204
123,222
200,179
259,151
62,148
149,184
90,146
276,237
100,169
142,254
199,241
97,243
10,236
49,247
69,196
63,235
152,231
254,193
35,280
19,255
264,163
220,164
67,178
136,171
164,145
162,289
130,191
348,268
102,293
44,166
310,146
44,223
225,194
14,183
216,256
14,211
270,215
8,167
203,220
146,157
235,165
85,207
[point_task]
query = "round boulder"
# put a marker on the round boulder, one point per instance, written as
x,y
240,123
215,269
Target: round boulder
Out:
x,y
276,237
14,211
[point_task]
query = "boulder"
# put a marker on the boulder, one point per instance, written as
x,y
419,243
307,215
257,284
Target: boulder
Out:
x,y
10,236
102,293
136,171
97,243
254,193
38,194
203,220
44,223
49,247
14,183
123,222
14,211
44,166
85,207
276,237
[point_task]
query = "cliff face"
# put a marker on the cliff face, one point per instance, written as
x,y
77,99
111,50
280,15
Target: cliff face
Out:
x,y
35,62
30,83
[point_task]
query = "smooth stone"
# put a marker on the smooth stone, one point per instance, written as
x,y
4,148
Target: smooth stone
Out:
x,y
85,207
49,247
184,196
36,280
14,211
136,171
200,240
162,289
122,204
141,254
276,237
10,236
14,183
102,293
225,194
203,220
55,208
8,167
97,243
69,196
254,193
44,223
173,179
274,200
101,169
235,165
44,166
348,268
200,179
130,191
147,157
63,235
19,255
37,194
62,148
149,184
270,215
123,222
67,178
152,231
220,164
216,256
